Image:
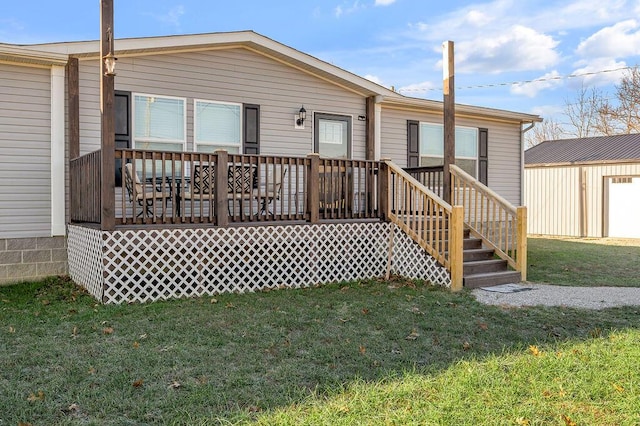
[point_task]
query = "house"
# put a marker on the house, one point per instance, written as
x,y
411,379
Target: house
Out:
x,y
191,95
584,187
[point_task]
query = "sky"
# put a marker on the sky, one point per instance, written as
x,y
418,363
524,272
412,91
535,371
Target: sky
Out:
x,y
530,56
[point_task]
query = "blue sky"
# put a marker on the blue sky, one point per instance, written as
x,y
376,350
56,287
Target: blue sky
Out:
x,y
535,44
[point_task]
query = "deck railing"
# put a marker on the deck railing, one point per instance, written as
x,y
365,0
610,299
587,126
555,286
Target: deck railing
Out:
x,y
85,177
160,187
501,225
430,176
431,222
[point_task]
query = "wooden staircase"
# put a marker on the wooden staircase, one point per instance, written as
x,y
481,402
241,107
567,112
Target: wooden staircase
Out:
x,y
481,268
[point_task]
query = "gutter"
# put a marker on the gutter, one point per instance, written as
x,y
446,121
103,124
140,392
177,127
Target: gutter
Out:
x,y
522,165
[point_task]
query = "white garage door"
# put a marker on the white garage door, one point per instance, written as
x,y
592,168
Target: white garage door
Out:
x,y
624,207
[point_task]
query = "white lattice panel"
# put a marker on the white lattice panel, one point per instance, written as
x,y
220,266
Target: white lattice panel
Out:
x,y
411,261
146,265
84,252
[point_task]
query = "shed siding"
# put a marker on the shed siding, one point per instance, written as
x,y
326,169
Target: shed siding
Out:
x,y
232,75
552,196
504,147
25,160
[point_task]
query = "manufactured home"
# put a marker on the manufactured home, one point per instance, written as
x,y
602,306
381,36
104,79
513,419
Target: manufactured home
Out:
x,y
241,164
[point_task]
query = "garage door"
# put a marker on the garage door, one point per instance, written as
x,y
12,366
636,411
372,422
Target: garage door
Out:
x,y
624,207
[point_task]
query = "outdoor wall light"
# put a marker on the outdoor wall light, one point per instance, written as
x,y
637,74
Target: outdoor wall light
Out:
x,y
109,64
302,115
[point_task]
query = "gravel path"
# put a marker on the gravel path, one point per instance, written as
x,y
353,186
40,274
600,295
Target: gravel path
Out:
x,y
528,294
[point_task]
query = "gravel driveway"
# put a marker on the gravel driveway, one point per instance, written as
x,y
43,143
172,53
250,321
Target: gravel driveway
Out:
x,y
528,294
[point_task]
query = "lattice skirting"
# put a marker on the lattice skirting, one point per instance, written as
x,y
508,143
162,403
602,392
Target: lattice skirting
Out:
x,y
155,264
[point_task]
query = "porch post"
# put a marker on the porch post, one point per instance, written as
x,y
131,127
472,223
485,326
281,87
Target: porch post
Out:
x,y
521,250
107,180
222,187
313,186
456,242
449,118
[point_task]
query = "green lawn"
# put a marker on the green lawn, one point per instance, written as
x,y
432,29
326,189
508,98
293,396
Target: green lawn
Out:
x,y
372,352
584,262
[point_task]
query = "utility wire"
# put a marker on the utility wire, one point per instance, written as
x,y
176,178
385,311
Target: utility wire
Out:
x,y
537,80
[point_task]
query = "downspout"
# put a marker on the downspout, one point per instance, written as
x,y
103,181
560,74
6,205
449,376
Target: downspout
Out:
x,y
522,132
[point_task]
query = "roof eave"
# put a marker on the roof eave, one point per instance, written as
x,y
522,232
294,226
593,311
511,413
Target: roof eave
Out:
x,y
20,55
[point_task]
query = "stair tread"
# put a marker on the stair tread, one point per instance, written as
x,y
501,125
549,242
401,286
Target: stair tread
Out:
x,y
484,261
490,274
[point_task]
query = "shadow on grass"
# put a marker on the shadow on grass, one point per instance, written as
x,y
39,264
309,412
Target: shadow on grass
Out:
x,y
68,359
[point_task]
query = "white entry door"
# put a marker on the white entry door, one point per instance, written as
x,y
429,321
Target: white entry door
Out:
x,y
624,207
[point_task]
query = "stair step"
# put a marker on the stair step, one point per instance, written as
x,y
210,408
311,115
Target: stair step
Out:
x,y
471,255
484,266
472,243
491,279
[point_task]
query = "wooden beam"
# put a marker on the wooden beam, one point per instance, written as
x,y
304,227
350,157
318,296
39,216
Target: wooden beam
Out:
x,y
108,179
456,251
73,102
313,186
371,128
449,117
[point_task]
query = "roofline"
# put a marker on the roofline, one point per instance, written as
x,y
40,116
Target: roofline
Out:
x,y
582,163
278,51
28,56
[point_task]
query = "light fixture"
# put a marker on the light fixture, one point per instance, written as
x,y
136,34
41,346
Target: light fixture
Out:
x,y
109,64
302,115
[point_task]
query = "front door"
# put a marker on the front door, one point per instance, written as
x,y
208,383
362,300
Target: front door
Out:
x,y
332,135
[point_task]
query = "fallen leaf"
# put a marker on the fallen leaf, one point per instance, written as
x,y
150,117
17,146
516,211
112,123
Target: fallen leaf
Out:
x,y
344,319
254,409
39,396
417,311
11,329
230,305
413,335
45,302
521,421
136,345
534,350
546,394
568,421
138,383
618,388
466,346
362,349
365,311
483,326
107,330
214,300
24,424
74,332
92,370
72,409
175,385
143,336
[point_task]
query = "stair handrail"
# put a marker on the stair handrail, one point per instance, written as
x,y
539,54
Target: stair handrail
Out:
x,y
501,225
419,212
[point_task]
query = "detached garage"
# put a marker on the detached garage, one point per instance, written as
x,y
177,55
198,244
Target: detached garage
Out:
x,y
585,187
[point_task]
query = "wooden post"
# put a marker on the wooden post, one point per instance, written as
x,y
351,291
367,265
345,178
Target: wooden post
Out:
x,y
456,242
222,187
108,178
521,251
384,188
73,102
370,148
313,187
449,117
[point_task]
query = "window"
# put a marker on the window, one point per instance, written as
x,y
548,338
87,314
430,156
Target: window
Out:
x,y
159,122
432,147
217,125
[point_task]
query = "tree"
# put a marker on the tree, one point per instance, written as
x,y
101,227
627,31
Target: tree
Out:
x,y
585,118
549,129
625,116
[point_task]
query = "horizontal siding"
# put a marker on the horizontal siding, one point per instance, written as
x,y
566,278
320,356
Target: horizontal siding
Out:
x,y
25,142
504,147
234,75
553,197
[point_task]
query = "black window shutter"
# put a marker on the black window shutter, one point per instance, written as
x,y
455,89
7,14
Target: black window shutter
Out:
x,y
483,155
122,107
413,143
251,131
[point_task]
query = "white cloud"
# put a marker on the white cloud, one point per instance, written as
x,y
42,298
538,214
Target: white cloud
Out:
x,y
531,89
172,17
619,40
374,78
598,72
416,88
384,2
516,49
347,8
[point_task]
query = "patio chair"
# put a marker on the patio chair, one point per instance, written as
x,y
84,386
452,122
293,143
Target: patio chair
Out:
x,y
333,181
243,185
143,194
272,190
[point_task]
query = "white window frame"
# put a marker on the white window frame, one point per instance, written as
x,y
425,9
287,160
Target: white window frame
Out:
x,y
475,130
135,139
197,142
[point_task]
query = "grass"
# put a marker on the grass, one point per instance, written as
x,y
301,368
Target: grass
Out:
x,y
584,262
371,352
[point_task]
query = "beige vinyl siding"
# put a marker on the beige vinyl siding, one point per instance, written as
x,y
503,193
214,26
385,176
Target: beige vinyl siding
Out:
x,y
232,75
504,147
25,161
552,197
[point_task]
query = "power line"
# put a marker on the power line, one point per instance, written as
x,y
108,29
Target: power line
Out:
x,y
537,80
